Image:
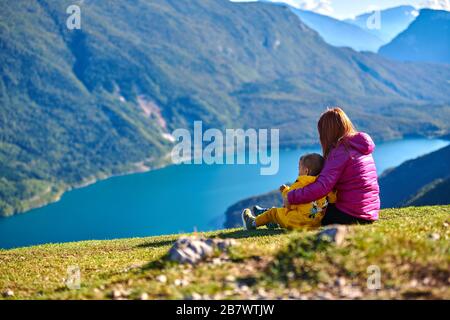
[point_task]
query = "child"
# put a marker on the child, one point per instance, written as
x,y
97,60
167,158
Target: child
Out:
x,y
295,216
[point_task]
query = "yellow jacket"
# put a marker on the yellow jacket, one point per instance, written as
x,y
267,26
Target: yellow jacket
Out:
x,y
308,215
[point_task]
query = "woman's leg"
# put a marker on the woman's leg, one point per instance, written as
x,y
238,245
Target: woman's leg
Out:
x,y
335,216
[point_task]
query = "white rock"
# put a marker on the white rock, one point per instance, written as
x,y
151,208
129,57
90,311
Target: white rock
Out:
x,y
435,236
8,293
144,296
334,234
161,278
193,249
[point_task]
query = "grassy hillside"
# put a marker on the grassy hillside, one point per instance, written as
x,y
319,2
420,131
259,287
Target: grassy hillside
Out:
x,y
409,245
83,104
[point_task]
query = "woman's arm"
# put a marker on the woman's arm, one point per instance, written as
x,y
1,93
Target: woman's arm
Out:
x,y
326,181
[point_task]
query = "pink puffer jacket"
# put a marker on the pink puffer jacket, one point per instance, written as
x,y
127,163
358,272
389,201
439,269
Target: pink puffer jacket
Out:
x,y
349,169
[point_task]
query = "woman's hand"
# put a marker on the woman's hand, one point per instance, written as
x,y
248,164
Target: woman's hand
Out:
x,y
283,187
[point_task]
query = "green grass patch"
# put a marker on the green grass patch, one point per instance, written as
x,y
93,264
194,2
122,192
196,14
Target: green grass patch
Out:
x,y
409,246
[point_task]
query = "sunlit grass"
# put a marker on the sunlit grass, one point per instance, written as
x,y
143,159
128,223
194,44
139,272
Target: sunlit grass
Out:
x,y
410,246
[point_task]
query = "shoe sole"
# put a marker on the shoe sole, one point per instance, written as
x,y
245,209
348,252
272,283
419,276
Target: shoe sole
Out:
x,y
244,224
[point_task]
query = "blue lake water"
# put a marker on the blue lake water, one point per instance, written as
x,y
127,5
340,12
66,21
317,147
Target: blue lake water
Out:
x,y
175,199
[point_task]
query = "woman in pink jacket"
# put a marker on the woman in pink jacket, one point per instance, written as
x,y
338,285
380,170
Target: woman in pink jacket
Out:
x,y
349,169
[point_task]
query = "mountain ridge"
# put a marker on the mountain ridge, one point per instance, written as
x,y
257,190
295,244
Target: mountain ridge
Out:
x,y
427,39
88,103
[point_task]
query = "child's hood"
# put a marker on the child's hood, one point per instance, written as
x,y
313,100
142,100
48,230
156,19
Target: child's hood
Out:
x,y
303,181
361,142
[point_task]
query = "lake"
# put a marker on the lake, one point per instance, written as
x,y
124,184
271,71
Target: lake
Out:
x,y
174,199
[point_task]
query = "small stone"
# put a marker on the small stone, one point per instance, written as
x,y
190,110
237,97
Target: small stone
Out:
x,y
144,296
334,234
228,293
161,278
116,294
413,283
435,236
196,296
217,261
340,282
244,288
8,293
262,292
325,296
194,249
230,278
445,224
181,282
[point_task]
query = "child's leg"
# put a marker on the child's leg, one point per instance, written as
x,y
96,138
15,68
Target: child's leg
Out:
x,y
271,216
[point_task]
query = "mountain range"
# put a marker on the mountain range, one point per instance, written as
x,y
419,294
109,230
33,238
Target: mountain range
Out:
x,y
426,39
340,33
391,21
79,105
420,181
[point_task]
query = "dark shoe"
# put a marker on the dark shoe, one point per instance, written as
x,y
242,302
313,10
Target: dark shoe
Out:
x,y
248,220
257,210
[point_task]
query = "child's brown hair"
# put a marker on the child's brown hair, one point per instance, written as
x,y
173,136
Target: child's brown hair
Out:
x,y
314,162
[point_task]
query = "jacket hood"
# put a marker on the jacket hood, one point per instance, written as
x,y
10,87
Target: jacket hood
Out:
x,y
361,142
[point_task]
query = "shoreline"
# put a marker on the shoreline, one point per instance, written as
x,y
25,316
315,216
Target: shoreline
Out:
x,y
142,167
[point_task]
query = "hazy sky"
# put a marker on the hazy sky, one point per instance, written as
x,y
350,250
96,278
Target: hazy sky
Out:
x,y
342,9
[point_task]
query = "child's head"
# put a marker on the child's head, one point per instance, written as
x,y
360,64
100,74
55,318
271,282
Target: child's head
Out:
x,y
311,164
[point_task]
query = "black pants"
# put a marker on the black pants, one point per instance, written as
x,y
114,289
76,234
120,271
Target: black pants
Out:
x,y
335,216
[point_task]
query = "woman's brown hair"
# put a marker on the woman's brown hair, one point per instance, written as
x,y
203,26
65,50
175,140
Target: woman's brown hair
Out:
x,y
333,126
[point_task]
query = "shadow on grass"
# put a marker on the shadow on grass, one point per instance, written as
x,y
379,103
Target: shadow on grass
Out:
x,y
232,234
155,244
242,234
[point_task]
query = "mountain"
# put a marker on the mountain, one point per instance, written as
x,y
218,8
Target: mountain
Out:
x,y
79,105
426,39
392,21
340,33
436,192
420,181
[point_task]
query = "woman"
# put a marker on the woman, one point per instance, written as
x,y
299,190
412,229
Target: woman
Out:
x,y
349,169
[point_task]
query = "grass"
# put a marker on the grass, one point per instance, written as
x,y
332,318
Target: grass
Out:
x,y
410,246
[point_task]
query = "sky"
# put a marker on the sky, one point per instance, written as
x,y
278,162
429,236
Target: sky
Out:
x,y
343,9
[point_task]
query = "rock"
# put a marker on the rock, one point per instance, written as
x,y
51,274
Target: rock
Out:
x,y
340,282
194,249
350,292
230,278
334,234
8,293
325,296
181,282
445,224
120,293
144,296
196,296
161,278
435,236
116,294
413,283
